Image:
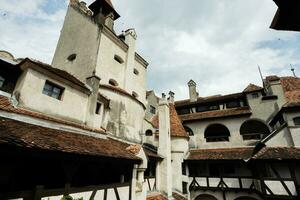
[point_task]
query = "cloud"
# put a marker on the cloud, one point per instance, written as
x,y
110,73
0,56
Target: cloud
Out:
x,y
217,43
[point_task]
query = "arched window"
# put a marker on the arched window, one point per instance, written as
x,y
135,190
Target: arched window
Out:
x,y
205,197
188,130
113,82
254,129
296,121
149,133
216,133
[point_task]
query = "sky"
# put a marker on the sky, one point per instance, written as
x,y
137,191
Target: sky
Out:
x,y
217,43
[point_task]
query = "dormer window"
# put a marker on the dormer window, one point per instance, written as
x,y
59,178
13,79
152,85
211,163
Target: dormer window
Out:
x,y
2,79
136,72
118,59
113,82
53,90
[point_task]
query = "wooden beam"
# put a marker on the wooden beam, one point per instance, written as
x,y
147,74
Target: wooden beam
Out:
x,y
280,179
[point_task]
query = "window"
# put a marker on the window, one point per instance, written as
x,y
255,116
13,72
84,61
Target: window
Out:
x,y
216,133
149,133
136,72
72,57
207,108
184,187
152,109
118,59
183,168
254,130
135,95
2,79
188,130
183,111
296,121
233,104
98,108
113,82
255,95
53,90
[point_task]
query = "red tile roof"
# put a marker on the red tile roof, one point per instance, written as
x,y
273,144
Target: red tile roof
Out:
x,y
278,153
6,105
209,99
177,196
216,114
272,78
177,129
31,136
221,154
291,88
252,88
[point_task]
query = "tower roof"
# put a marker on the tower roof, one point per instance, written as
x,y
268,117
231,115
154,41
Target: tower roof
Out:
x,y
106,5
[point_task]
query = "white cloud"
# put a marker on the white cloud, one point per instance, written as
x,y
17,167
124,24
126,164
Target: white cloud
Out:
x,y
218,43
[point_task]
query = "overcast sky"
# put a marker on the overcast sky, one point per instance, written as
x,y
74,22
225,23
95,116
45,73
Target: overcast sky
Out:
x,y
217,43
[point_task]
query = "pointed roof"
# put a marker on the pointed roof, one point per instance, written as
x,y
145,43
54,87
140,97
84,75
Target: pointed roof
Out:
x,y
252,88
106,4
177,129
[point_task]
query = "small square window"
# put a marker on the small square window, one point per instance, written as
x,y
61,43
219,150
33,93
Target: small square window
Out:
x,y
2,79
53,90
98,108
152,110
255,95
296,121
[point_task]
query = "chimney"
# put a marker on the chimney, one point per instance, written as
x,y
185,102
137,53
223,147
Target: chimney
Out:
x,y
93,82
164,147
193,91
171,97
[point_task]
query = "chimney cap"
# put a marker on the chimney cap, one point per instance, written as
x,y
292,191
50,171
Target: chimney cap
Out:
x,y
192,83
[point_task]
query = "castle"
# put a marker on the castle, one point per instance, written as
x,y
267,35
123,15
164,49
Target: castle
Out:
x,y
87,127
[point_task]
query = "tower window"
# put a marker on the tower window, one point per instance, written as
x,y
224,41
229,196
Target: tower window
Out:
x,y
119,59
72,57
136,72
2,79
135,95
98,108
113,82
53,90
152,109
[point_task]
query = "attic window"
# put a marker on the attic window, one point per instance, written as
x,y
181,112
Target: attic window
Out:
x,y
119,59
52,90
296,120
72,57
135,95
2,79
113,82
135,71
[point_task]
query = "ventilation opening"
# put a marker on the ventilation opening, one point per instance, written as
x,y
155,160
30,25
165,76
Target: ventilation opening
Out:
x,y
135,95
113,82
119,59
136,72
72,57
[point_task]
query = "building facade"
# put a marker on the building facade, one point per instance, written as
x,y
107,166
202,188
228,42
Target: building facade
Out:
x,y
85,127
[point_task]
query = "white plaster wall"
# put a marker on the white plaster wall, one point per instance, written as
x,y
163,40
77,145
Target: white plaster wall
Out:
x,y
233,124
81,36
139,82
107,67
149,139
32,97
126,116
282,139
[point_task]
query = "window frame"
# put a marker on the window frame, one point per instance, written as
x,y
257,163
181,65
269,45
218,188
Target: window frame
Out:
x,y
2,81
51,90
